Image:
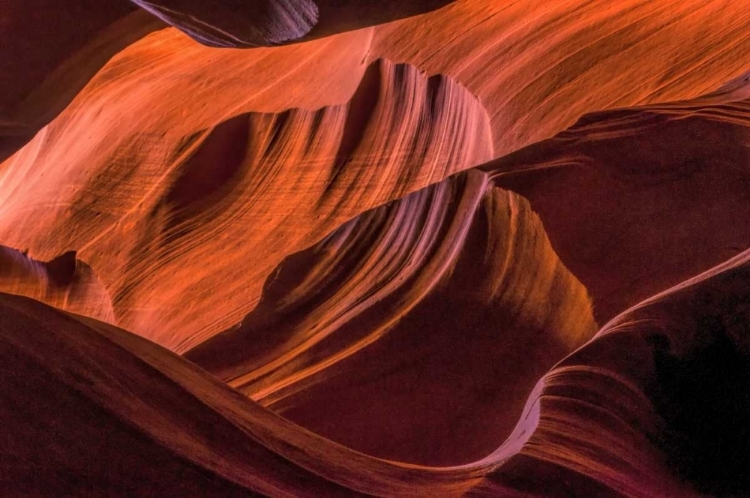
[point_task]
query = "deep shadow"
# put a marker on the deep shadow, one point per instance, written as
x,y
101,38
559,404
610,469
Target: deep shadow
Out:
x,y
704,397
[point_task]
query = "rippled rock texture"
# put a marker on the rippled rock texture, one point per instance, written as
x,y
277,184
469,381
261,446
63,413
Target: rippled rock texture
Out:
x,y
423,248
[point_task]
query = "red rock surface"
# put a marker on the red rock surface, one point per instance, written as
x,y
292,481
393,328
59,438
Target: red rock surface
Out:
x,y
155,227
133,129
453,287
426,248
601,422
64,282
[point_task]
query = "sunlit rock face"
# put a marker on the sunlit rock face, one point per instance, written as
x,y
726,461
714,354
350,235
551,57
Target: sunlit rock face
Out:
x,y
422,248
182,214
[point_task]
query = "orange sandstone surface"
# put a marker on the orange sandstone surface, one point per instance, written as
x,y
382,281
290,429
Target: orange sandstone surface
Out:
x,y
98,179
421,248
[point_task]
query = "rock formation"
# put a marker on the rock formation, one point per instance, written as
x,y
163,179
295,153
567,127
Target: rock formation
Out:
x,y
415,248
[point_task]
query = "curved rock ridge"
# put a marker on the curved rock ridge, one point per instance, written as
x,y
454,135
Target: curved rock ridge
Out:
x,y
537,66
134,117
600,423
406,333
624,212
64,282
672,411
243,24
413,325
237,23
177,220
165,425
591,58
637,200
49,52
47,59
